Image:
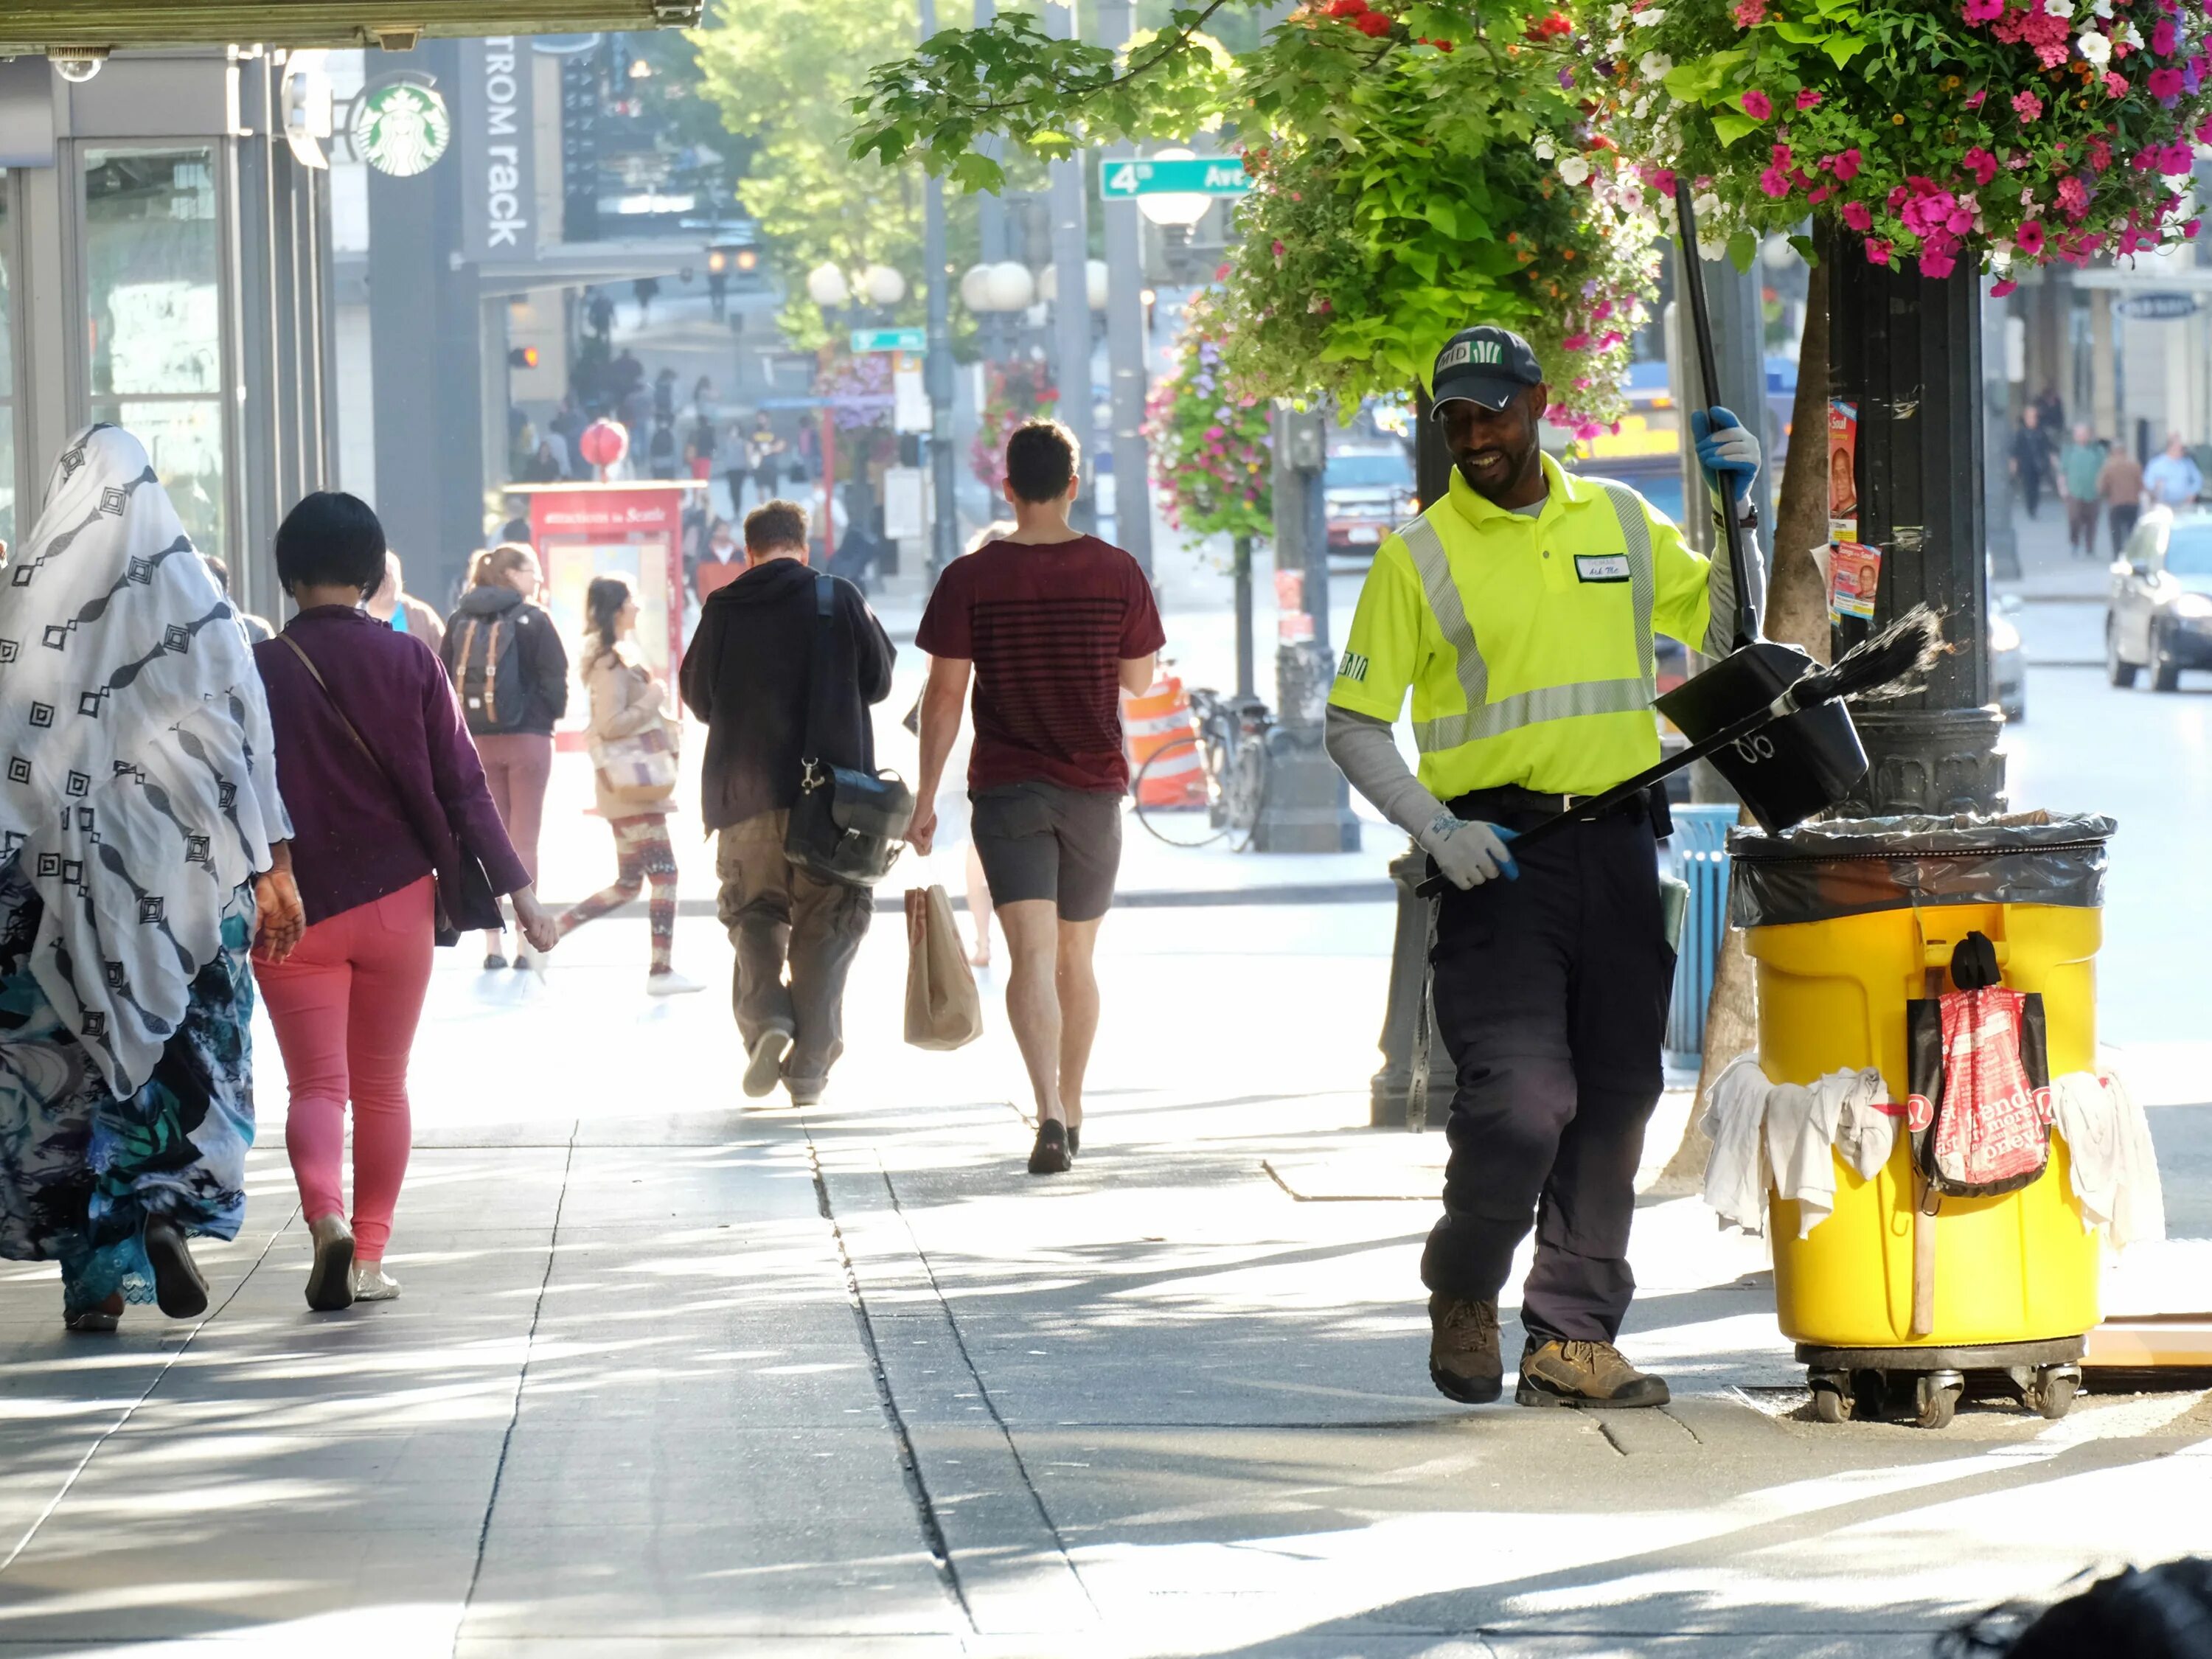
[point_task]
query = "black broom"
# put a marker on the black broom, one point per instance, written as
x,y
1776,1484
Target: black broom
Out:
x,y
1889,664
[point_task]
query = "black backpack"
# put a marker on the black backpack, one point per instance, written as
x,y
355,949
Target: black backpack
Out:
x,y
488,671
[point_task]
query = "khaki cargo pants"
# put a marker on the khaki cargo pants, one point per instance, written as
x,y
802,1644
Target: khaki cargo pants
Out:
x,y
779,917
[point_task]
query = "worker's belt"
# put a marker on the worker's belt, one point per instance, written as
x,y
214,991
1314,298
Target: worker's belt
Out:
x,y
1516,808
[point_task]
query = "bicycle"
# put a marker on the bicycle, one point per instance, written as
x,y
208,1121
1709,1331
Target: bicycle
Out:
x,y
1227,750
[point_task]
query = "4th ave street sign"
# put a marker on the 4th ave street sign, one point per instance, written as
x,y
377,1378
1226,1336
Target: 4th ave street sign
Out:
x,y
910,340
1122,180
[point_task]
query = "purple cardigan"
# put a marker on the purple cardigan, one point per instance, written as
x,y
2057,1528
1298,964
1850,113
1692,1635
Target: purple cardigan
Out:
x,y
354,841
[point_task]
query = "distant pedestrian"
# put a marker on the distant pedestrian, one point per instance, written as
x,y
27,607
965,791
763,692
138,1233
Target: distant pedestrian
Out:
x,y
660,451
1054,625
392,604
256,629
629,718
717,292
644,290
2171,478
2079,465
393,814
2120,482
145,855
769,455
599,313
699,449
2030,460
720,562
747,676
664,395
506,663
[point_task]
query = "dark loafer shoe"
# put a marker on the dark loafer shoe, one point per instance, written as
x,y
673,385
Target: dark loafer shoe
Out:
x,y
1050,1155
179,1289
1590,1374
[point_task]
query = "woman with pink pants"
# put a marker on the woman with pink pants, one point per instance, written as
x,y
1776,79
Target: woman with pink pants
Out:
x,y
388,804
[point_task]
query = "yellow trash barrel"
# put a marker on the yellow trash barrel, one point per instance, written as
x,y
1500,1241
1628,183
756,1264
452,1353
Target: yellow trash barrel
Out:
x,y
1849,920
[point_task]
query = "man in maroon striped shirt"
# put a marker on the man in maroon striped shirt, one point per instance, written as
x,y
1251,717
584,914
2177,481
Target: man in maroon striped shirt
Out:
x,y
1054,624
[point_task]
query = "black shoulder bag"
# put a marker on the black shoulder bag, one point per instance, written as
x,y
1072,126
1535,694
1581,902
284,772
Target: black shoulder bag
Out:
x,y
846,825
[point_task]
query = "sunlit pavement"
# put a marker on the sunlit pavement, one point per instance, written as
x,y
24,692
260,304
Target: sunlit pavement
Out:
x,y
674,1376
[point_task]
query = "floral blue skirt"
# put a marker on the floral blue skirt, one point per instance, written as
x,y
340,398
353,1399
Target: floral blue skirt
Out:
x,y
82,1172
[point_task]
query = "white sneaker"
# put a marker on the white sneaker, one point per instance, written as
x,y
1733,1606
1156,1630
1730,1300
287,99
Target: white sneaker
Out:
x,y
669,984
765,1069
372,1283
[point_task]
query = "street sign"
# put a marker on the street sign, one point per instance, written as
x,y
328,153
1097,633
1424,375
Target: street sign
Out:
x,y
1121,179
866,340
2158,307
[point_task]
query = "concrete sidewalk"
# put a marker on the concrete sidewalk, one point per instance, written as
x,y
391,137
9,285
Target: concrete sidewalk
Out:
x,y
673,1376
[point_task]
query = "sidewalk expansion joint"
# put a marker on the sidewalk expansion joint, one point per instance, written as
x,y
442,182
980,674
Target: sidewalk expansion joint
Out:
x,y
521,1381
932,1528
129,1411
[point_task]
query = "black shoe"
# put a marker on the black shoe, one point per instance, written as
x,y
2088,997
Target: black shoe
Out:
x,y
1074,1139
1463,1358
493,961
1050,1155
1590,1374
179,1289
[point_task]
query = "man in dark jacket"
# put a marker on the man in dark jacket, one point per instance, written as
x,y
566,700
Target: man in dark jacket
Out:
x,y
747,676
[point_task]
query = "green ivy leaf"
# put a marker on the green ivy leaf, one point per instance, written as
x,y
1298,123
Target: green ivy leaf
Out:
x,y
1742,249
1844,47
1729,125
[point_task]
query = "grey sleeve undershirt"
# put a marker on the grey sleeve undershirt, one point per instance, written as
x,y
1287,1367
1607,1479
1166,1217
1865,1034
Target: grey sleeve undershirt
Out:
x,y
1367,754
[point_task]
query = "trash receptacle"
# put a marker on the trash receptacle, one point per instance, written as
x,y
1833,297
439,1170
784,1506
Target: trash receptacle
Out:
x,y
1848,921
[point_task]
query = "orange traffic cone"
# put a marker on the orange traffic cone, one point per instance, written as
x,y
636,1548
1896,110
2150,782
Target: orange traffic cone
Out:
x,y
1150,723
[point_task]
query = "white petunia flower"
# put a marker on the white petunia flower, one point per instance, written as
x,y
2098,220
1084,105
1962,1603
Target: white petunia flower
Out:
x,y
1712,248
2127,35
2097,48
1655,66
1651,19
1642,107
1573,169
1544,148
2058,8
1619,15
2000,258
2101,8
1707,206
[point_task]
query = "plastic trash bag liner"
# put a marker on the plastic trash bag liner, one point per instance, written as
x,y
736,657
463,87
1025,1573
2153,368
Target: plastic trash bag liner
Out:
x,y
1849,866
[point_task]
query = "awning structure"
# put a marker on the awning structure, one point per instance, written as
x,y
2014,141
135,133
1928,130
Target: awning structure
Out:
x,y
60,26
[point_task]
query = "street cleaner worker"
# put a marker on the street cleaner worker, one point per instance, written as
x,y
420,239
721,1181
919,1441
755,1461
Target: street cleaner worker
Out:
x,y
1520,612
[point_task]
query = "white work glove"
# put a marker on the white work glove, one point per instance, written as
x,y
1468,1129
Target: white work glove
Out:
x,y
1468,852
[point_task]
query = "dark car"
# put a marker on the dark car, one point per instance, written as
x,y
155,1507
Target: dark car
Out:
x,y
2160,614
1369,492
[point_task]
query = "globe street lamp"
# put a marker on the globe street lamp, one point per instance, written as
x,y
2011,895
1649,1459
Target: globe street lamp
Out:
x,y
883,285
826,287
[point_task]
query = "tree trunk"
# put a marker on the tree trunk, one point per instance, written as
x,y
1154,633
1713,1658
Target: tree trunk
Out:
x,y
1797,614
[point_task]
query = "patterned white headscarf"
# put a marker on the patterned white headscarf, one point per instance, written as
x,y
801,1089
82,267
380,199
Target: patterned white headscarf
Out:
x,y
137,775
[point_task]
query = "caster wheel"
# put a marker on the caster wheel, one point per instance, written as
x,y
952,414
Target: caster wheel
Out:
x,y
1829,1405
1935,1397
2055,1389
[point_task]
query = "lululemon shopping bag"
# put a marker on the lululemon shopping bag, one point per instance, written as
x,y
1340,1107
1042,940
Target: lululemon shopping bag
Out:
x,y
943,1010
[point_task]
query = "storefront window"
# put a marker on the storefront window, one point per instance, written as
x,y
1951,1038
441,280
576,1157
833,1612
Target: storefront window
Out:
x,y
153,256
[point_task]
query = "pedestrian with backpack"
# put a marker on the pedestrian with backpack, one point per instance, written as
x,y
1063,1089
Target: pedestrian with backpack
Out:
x,y
512,675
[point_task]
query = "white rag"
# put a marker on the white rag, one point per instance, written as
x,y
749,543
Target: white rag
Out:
x,y
1781,1135
2113,1165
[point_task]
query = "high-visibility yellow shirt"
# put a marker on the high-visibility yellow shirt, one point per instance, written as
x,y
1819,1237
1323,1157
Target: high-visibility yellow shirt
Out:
x,y
1527,641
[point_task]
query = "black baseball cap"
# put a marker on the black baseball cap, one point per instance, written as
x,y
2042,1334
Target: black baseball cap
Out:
x,y
1485,365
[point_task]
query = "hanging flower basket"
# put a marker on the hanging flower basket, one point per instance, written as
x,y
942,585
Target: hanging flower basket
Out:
x,y
2010,131
1210,444
1402,192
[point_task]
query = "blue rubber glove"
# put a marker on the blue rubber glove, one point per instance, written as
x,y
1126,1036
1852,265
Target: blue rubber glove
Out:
x,y
1726,450
1467,852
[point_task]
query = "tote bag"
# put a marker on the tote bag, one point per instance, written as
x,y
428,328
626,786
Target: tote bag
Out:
x,y
943,1010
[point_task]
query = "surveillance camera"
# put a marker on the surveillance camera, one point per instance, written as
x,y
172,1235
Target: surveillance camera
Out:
x,y
77,64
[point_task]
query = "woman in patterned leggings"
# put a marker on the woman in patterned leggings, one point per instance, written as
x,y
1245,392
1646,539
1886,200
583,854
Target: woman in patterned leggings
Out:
x,y
629,704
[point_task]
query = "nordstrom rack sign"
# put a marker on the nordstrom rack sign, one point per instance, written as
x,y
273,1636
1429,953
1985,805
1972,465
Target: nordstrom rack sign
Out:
x,y
498,196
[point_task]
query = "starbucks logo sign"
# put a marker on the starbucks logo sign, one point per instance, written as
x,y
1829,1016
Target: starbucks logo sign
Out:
x,y
401,128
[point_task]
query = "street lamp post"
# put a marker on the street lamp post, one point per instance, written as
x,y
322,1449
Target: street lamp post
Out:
x,y
1071,314
1125,339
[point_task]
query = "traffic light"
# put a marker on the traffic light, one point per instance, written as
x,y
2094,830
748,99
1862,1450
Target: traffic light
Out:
x,y
524,356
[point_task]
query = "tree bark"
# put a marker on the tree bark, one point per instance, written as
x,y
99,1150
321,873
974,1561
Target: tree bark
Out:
x,y
1797,614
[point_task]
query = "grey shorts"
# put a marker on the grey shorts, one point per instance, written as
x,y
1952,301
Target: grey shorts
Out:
x,y
1040,841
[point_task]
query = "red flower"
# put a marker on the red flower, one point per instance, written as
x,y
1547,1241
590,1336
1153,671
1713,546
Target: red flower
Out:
x,y
1806,97
1877,250
1757,105
2029,236
1370,23
1858,216
1343,8
1998,290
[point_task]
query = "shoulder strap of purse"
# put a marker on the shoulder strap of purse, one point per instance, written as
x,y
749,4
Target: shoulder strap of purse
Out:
x,y
817,669
330,697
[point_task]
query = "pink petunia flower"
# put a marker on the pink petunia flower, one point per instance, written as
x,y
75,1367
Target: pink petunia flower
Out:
x,y
1985,11
1974,98
1998,290
1757,105
1806,97
2165,83
1979,162
2029,237
1936,265
1774,183
1819,194
2116,84
1749,14
1575,342
2026,105
2162,37
1846,165
1858,216
1877,250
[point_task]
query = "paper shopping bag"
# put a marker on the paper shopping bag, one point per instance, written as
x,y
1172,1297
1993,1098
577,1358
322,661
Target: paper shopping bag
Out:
x,y
943,1010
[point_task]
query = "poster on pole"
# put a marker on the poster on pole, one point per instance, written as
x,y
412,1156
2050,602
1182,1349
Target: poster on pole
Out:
x,y
1842,471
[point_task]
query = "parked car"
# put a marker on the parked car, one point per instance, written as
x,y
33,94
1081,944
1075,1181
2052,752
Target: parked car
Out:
x,y
1368,493
2160,613
2008,661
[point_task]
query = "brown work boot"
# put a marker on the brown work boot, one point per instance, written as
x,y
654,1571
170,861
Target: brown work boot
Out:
x,y
1592,1375
1463,1358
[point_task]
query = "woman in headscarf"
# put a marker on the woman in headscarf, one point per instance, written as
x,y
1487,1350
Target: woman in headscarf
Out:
x,y
141,857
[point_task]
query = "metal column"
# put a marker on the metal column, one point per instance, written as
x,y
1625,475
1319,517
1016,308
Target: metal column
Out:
x,y
1125,338
1071,320
937,369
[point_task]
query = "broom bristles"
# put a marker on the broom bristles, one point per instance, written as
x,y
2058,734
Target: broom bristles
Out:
x,y
1894,663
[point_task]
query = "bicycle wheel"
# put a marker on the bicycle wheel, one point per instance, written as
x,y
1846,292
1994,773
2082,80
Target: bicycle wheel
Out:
x,y
1243,793
1178,795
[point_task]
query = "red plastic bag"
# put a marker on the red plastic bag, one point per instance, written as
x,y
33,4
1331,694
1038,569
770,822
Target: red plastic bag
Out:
x,y
1979,1111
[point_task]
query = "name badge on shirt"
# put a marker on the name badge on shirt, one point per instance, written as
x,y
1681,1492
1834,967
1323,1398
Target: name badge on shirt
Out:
x,y
1601,567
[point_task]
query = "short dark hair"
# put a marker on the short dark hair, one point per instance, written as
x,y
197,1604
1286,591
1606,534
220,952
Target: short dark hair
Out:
x,y
219,569
331,539
775,524
1042,457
